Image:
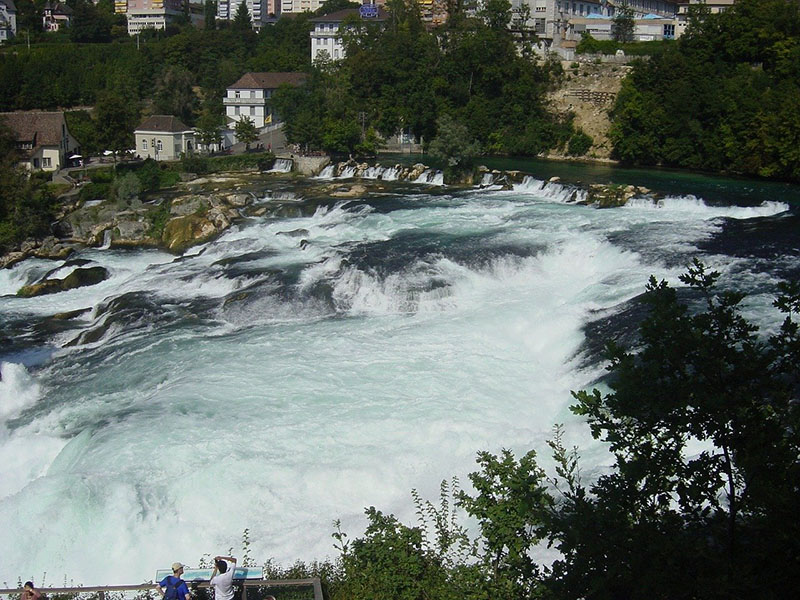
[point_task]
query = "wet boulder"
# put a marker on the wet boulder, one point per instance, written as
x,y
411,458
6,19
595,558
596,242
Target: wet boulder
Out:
x,y
80,277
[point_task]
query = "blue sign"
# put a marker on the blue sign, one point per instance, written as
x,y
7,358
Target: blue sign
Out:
x,y
368,11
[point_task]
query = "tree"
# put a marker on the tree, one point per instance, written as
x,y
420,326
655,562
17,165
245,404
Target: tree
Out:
x,y
174,94
88,24
453,144
622,24
209,129
115,119
703,423
210,14
245,131
242,21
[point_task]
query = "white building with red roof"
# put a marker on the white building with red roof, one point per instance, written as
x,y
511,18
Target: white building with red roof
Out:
x,y
249,96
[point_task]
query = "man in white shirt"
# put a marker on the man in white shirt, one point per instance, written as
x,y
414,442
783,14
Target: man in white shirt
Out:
x,y
223,582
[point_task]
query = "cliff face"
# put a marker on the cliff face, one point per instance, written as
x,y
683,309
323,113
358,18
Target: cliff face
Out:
x,y
589,90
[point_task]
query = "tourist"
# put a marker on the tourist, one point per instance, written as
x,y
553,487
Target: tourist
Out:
x,y
172,587
29,592
223,583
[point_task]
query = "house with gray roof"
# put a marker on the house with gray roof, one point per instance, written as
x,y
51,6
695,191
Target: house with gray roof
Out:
x,y
164,137
249,97
8,20
42,138
56,15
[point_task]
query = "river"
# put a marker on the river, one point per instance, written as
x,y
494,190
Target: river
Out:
x,y
300,368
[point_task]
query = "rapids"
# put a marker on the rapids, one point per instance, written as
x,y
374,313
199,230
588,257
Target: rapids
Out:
x,y
297,370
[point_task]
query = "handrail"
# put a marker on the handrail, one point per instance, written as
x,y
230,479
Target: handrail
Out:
x,y
101,590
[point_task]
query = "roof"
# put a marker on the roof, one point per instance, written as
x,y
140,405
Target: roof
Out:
x,y
341,15
38,127
61,9
268,81
9,5
165,123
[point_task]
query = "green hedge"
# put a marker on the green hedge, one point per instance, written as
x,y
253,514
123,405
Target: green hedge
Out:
x,y
589,45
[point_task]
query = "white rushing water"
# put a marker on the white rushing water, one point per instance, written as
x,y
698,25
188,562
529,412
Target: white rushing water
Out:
x,y
374,352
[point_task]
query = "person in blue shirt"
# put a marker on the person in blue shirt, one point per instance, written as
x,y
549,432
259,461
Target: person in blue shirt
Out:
x,y
174,582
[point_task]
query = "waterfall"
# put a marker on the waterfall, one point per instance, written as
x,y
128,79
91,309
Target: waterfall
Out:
x,y
282,165
327,173
106,240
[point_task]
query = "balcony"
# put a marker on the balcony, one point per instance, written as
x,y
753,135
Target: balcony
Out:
x,y
244,101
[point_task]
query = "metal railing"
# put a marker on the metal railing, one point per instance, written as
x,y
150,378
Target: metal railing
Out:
x,y
102,590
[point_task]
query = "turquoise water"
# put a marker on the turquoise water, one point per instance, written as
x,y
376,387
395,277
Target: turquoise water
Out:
x,y
300,368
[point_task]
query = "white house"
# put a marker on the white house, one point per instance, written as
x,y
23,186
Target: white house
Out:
x,y
325,38
249,96
41,138
164,137
8,20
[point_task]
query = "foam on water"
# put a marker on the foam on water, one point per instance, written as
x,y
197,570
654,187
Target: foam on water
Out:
x,y
377,357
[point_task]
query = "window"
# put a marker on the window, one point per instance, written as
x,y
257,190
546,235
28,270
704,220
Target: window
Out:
x,y
35,163
159,146
144,144
238,94
47,162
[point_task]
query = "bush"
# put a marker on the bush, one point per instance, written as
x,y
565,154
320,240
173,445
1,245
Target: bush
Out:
x,y
579,144
194,163
94,191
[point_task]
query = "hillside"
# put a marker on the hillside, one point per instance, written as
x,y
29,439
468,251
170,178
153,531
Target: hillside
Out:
x,y
589,90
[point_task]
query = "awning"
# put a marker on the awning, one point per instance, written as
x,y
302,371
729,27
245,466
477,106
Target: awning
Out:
x,y
107,153
75,156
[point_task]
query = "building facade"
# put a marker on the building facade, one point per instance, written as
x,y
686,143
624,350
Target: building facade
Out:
x,y
325,38
8,20
164,137
41,138
148,14
260,10
249,97
550,19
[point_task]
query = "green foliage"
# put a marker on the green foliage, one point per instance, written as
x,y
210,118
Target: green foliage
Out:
x,y
149,175
580,143
192,163
453,144
622,24
241,20
707,515
245,131
94,191
589,45
158,218
723,98
510,504
127,188
174,94
83,129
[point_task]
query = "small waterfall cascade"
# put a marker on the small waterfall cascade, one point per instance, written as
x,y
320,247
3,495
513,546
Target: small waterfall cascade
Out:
x,y
282,165
327,173
106,240
552,190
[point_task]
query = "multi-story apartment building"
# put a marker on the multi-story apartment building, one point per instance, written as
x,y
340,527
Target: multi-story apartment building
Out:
x,y
550,18
685,7
260,10
148,14
325,38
